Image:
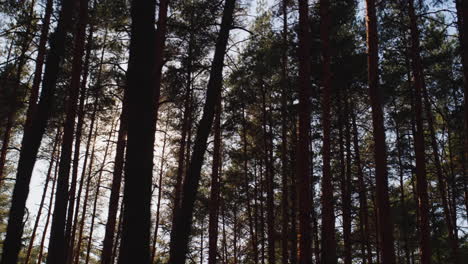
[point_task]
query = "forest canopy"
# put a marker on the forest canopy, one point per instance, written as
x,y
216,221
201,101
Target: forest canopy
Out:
x,y
233,131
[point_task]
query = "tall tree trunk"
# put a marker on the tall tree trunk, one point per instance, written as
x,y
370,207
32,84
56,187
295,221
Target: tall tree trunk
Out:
x,y
252,221
462,15
106,256
181,230
57,253
89,144
158,205
383,205
81,223
96,194
78,135
269,178
32,137
293,190
44,194
404,228
41,51
284,143
303,162
347,202
421,178
134,247
328,215
215,187
363,207
49,212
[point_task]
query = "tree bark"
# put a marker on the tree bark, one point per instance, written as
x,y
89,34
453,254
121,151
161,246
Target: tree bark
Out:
x,y
383,204
158,206
57,252
363,207
462,15
77,249
96,194
106,256
328,215
141,80
32,137
44,193
49,212
78,135
303,162
181,230
284,142
421,177
215,188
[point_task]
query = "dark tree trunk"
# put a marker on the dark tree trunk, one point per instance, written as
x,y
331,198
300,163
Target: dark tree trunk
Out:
x,y
421,178
44,194
91,141
293,191
41,51
284,143
269,178
49,212
363,207
141,83
303,162
108,243
328,215
383,205
32,137
347,202
462,15
57,252
252,222
181,230
78,135
158,205
215,188
96,194
77,250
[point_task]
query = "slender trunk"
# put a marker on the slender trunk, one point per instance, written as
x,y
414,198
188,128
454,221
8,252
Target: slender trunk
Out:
x,y
91,140
96,194
293,191
284,143
78,135
32,137
363,207
44,193
404,228
158,206
41,51
269,179
253,235
181,230
215,187
347,202
49,212
57,253
106,256
81,223
262,210
421,178
383,205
